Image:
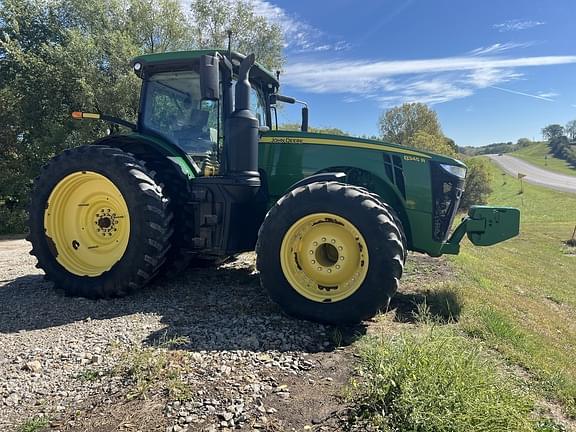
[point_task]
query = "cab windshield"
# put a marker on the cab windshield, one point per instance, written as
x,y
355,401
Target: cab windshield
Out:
x,y
173,109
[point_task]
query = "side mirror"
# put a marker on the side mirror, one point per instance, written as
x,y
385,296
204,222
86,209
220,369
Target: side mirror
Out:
x,y
275,98
209,77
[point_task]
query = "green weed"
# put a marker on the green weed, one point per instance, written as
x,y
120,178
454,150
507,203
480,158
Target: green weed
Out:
x,y
156,369
89,375
35,424
435,381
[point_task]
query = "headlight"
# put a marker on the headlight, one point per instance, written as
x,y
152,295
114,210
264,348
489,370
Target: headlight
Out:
x,y
137,66
458,171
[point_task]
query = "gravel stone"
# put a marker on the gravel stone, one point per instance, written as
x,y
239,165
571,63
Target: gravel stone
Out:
x,y
34,366
57,353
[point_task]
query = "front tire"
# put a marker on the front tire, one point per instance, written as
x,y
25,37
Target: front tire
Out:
x,y
99,223
331,253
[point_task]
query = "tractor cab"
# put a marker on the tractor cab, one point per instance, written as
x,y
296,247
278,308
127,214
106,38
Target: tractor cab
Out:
x,y
176,107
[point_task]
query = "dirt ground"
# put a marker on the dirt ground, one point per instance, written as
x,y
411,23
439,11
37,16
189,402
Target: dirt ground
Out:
x,y
245,364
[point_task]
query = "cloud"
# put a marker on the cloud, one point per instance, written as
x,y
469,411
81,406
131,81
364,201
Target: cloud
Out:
x,y
300,36
499,47
524,94
548,94
516,25
487,76
426,80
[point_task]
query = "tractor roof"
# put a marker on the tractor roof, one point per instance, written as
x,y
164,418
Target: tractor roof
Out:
x,y
156,61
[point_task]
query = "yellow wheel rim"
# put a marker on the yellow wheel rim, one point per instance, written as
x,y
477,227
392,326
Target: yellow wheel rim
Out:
x,y
324,257
88,221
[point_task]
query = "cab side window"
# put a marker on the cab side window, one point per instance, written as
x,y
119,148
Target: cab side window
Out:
x,y
257,106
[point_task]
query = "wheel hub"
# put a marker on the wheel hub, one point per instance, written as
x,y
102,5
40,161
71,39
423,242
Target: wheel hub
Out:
x,y
88,221
324,257
106,222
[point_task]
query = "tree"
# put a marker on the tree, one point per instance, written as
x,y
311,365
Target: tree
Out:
x,y
58,56
400,124
552,131
570,129
523,142
211,19
561,148
451,144
416,125
433,143
478,181
159,25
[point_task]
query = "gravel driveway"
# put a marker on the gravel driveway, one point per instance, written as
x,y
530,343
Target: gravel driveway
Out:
x,y
243,347
246,364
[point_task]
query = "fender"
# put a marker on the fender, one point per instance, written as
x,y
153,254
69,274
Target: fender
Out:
x,y
322,177
152,147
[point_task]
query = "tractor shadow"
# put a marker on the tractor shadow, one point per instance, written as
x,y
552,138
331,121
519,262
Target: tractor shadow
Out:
x,y
211,309
441,307
216,310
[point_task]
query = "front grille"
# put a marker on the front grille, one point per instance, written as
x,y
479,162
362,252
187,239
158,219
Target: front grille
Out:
x,y
394,171
446,193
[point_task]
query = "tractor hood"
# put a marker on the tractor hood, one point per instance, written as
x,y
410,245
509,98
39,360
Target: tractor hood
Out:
x,y
296,137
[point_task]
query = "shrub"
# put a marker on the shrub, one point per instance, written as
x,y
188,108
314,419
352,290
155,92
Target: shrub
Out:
x,y
478,180
12,221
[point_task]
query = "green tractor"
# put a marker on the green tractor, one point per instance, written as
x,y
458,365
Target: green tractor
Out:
x,y
206,174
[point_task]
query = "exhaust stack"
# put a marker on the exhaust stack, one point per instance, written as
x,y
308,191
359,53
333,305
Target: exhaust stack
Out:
x,y
241,133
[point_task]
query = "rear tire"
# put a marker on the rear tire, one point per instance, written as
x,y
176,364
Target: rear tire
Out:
x,y
310,237
68,214
176,187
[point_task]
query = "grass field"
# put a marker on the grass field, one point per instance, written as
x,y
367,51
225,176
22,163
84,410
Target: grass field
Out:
x,y
521,295
518,303
538,154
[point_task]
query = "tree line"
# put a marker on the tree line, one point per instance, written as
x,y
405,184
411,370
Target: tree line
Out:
x,y
562,141
496,148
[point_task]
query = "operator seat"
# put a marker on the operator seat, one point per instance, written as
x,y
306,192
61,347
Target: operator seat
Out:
x,y
194,137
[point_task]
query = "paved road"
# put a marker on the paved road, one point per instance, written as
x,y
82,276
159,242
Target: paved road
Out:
x,y
535,175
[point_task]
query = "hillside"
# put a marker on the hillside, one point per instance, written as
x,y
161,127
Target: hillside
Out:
x,y
539,154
